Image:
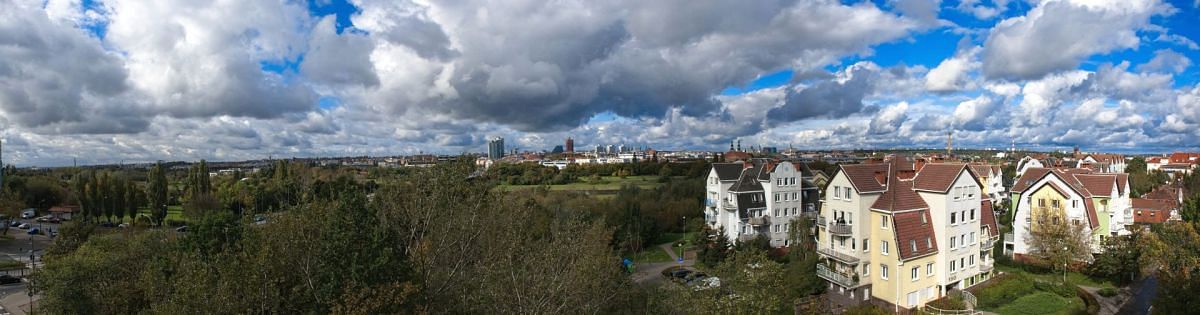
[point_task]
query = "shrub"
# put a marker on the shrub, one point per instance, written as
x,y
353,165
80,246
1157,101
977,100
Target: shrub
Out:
x,y
1060,289
1107,292
949,303
865,309
175,223
1092,306
1004,289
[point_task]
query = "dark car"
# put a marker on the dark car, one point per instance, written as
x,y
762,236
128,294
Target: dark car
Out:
x,y
181,229
695,277
671,270
7,279
35,231
15,224
681,275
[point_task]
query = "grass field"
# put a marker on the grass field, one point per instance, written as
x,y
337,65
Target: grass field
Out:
x,y
1041,302
653,254
174,213
6,264
606,183
1072,277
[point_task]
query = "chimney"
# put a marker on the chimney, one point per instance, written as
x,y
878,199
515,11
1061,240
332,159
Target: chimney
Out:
x,y
919,164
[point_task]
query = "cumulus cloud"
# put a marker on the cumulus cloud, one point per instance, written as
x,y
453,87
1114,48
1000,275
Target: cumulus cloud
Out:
x,y
888,120
1166,60
834,98
981,10
1057,35
952,73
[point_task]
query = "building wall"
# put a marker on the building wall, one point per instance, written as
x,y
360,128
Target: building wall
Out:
x,y
781,211
942,205
896,288
1028,210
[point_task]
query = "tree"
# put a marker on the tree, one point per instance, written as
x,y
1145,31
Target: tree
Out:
x,y
43,193
157,193
750,282
1136,165
801,277
119,197
716,248
1173,249
1058,246
133,200
1119,259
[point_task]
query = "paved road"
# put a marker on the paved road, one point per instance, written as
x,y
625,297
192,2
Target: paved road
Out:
x,y
652,272
1144,292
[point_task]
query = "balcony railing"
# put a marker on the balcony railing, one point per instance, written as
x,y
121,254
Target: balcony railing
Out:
x,y
710,203
821,221
845,280
760,221
839,256
728,206
986,267
987,243
840,229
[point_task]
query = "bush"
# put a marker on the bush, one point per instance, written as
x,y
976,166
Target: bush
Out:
x,y
949,303
1060,289
865,309
1089,301
175,223
1004,289
1107,292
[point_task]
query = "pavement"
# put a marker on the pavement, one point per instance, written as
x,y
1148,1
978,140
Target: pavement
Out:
x,y
14,298
1109,305
17,303
652,272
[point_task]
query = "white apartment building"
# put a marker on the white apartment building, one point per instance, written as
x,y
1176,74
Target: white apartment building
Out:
x,y
1097,201
749,199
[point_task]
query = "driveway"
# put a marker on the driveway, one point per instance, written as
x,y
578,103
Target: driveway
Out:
x,y
652,272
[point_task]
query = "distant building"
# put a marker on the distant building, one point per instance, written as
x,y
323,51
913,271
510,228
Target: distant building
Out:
x,y
496,148
570,145
557,149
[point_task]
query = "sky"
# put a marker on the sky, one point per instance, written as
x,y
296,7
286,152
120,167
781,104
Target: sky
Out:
x,y
124,81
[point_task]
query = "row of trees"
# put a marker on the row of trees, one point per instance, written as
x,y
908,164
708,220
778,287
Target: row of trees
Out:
x,y
536,174
107,195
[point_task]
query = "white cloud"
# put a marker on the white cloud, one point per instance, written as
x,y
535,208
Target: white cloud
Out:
x,y
952,73
1057,35
1166,60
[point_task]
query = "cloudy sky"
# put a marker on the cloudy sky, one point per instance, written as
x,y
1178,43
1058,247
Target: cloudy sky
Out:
x,y
106,81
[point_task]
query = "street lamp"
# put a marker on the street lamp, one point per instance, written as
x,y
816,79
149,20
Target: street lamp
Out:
x,y
681,243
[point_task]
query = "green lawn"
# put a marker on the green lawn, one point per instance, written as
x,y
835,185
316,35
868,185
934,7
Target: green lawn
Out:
x,y
653,254
173,213
6,264
673,237
1041,302
1072,277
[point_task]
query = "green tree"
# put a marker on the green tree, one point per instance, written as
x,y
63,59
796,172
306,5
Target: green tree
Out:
x,y
1119,259
716,247
750,282
1058,246
801,273
157,193
1174,251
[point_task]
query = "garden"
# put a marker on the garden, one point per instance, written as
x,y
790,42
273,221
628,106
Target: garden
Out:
x,y
1020,291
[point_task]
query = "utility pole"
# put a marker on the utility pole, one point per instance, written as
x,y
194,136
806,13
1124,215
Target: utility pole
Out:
x,y
33,266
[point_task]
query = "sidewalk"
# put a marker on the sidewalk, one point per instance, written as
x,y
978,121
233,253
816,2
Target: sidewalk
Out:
x,y
17,303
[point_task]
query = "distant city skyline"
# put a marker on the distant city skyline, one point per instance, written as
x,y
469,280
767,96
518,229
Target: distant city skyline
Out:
x,y
106,81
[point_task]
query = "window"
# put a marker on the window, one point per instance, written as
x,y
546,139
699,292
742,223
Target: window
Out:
x,y
1074,203
847,192
852,243
776,197
953,218
972,259
972,214
1055,203
776,212
842,243
914,273
866,270
962,262
837,192
866,245
883,221
1041,202
883,272
883,247
923,219
1076,221
929,269
794,196
928,242
972,237
913,244
952,267
957,192
952,239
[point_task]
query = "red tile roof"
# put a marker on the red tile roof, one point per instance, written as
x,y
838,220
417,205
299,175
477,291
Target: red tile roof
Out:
x,y
914,227
1098,185
1151,211
1184,158
1122,180
899,197
862,176
1090,206
939,176
1031,176
988,217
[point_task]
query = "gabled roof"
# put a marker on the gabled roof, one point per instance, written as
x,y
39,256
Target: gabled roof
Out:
x,y
1122,180
728,171
982,170
1031,176
914,227
748,181
862,176
1090,206
988,217
899,197
1098,185
939,176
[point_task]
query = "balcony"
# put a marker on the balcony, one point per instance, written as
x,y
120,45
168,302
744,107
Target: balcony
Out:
x,y
760,221
710,203
986,268
845,280
821,221
987,243
747,237
840,229
728,206
839,256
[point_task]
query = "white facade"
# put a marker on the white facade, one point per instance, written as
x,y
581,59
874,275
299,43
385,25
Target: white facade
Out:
x,y
781,188
957,221
1074,208
1026,163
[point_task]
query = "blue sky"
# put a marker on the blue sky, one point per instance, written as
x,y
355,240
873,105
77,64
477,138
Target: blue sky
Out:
x,y
225,81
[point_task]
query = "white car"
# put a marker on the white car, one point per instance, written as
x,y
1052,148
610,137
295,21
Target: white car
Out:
x,y
707,283
24,226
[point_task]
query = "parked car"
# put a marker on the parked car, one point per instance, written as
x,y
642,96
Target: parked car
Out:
x,y
7,279
107,224
181,229
43,219
23,226
123,225
15,224
35,231
671,270
55,220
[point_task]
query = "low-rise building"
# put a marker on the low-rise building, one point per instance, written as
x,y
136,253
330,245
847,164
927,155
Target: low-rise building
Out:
x,y
761,197
1097,201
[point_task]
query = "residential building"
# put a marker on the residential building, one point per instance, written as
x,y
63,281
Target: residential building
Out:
x,y
1097,201
899,236
1103,163
755,198
992,178
1180,163
496,148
